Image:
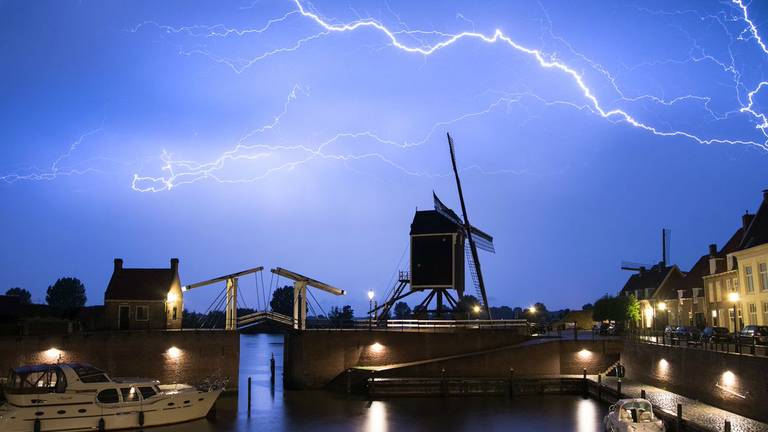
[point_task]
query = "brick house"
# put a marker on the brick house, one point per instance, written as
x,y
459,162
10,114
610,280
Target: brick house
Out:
x,y
144,298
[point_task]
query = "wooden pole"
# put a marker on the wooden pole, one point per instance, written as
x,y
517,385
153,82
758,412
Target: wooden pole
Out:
x,y
249,396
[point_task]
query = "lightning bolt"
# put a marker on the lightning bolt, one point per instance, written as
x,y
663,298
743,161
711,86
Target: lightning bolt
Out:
x,y
180,172
55,170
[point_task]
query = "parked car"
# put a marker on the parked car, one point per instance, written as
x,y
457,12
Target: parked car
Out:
x,y
687,333
758,334
669,331
632,415
716,334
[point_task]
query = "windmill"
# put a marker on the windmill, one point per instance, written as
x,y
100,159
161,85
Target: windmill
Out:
x,y
440,243
666,239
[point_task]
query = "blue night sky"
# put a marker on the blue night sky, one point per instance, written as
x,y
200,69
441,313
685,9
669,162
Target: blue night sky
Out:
x,y
304,135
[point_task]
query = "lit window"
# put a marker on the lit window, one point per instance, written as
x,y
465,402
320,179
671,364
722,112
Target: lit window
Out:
x,y
142,313
763,269
752,313
748,278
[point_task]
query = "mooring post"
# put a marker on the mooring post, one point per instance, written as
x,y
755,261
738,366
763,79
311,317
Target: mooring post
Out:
x,y
584,382
575,333
272,368
618,387
249,396
599,388
372,384
443,386
642,393
511,381
727,427
349,381
679,417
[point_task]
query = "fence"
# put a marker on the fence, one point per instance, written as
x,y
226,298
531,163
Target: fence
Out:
x,y
415,325
733,344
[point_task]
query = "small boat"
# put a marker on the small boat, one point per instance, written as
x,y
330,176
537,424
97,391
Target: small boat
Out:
x,y
632,415
77,396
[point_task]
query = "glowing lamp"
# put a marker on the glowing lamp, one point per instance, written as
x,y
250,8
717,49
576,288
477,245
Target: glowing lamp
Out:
x,y
733,297
476,309
370,295
377,347
53,354
584,354
172,297
532,309
173,352
729,378
662,306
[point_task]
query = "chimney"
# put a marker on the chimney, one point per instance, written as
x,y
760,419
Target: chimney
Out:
x,y
175,264
765,194
642,269
712,250
746,218
118,264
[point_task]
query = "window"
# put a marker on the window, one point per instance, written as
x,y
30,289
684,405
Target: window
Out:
x,y
765,312
762,268
129,394
748,278
175,314
147,392
718,290
142,313
108,396
711,287
752,313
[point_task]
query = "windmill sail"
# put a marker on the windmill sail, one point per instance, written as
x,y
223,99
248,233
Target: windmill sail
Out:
x,y
482,240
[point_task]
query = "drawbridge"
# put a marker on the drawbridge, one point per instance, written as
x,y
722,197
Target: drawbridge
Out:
x,y
238,316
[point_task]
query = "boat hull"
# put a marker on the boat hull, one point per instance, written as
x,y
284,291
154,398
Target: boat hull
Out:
x,y
169,409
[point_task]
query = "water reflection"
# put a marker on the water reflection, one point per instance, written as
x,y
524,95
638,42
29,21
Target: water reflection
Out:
x,y
319,411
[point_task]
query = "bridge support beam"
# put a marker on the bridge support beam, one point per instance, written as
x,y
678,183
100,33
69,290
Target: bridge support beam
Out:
x,y
300,305
230,310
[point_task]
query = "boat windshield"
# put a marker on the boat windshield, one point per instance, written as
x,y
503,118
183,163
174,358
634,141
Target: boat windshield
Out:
x,y
643,408
40,379
90,374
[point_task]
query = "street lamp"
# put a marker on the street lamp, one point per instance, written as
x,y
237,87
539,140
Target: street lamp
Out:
x,y
662,306
476,310
733,297
370,308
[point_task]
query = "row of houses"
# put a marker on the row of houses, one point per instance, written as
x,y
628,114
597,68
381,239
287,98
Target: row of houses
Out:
x,y
727,287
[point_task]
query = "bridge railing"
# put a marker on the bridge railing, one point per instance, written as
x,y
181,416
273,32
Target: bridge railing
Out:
x,y
417,325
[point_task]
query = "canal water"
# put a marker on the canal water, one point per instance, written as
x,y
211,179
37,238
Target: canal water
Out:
x,y
272,409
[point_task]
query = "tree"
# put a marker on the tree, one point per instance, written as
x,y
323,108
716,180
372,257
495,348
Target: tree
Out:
x,y
402,310
587,306
282,300
66,293
538,314
342,316
25,297
619,309
467,304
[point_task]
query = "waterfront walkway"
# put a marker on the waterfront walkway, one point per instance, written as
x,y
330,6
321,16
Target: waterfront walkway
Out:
x,y
693,411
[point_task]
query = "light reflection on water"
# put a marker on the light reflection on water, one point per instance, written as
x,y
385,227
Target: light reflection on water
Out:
x,y
274,410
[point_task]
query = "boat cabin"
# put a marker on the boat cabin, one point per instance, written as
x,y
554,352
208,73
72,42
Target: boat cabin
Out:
x,y
52,378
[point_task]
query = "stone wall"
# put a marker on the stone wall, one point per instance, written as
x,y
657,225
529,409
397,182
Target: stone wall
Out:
x,y
313,359
733,382
169,356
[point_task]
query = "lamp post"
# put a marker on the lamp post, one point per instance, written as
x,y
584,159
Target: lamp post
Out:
x,y
370,309
733,297
476,310
662,306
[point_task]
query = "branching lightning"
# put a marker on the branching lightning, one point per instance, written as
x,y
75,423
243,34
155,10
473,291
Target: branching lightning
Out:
x,y
413,41
55,170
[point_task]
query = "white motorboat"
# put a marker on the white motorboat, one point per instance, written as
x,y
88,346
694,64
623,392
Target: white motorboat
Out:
x,y
632,415
75,396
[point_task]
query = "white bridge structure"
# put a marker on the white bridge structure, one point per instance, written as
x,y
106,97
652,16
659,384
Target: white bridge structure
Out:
x,y
300,284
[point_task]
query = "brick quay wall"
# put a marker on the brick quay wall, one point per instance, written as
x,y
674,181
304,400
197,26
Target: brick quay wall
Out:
x,y
733,382
314,359
168,356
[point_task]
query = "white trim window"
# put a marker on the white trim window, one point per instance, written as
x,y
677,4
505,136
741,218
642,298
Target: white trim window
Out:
x,y
748,278
762,268
752,313
765,313
142,313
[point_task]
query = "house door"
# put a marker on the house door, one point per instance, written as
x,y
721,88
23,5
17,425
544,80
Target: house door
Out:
x,y
124,317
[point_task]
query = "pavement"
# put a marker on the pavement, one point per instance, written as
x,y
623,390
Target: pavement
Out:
x,y
693,411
